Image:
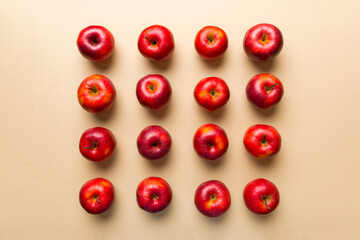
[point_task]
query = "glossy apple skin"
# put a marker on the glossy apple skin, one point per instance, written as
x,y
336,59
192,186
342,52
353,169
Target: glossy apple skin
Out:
x,y
97,195
212,93
263,42
156,43
96,43
211,42
262,141
153,91
96,93
153,194
154,142
210,141
264,90
212,198
97,144
261,196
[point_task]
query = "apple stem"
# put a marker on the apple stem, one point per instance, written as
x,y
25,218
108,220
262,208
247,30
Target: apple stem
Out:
x,y
268,89
96,197
267,206
263,140
93,145
210,39
152,41
263,38
213,92
93,89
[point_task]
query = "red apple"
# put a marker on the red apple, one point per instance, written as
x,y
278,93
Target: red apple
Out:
x,y
262,141
156,43
263,42
210,141
153,91
264,90
211,42
153,194
96,195
95,43
261,196
153,142
212,93
96,93
97,144
212,198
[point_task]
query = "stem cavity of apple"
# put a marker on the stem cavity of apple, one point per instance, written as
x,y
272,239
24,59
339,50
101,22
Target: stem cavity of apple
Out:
x,y
96,197
213,92
94,89
93,145
210,38
271,87
213,197
264,200
155,197
263,140
153,42
264,37
209,145
95,41
151,87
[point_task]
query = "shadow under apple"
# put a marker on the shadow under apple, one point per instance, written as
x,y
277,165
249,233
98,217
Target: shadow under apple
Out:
x,y
105,64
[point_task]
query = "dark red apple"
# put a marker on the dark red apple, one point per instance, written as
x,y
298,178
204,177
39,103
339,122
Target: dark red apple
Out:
x,y
264,90
96,93
262,141
212,93
153,194
154,142
263,42
156,43
212,198
95,43
97,144
210,141
211,42
153,91
96,195
261,196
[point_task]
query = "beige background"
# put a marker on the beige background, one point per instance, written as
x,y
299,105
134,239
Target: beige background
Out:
x,y
317,170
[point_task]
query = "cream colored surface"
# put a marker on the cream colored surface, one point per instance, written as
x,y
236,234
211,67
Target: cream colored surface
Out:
x,y
316,171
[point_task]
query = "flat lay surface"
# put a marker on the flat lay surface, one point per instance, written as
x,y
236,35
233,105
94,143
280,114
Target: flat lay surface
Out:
x,y
41,121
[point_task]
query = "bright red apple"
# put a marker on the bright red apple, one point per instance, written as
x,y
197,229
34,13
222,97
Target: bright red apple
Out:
x,y
264,90
212,198
156,43
95,43
96,195
153,91
263,42
153,194
261,196
212,93
211,42
96,93
154,142
97,144
210,141
262,141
